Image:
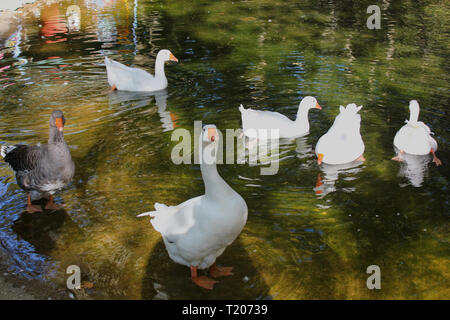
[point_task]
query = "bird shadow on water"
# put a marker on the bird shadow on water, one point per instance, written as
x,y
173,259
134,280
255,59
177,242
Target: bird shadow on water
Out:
x,y
41,229
164,279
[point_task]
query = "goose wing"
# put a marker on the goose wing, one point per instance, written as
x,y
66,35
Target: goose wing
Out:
x,y
23,157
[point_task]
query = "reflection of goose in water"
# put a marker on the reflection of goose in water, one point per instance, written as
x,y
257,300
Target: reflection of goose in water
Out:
x,y
73,18
278,150
132,100
331,174
303,148
413,167
265,152
54,28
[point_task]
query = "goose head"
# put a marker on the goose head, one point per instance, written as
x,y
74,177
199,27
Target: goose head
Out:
x,y
309,103
166,55
414,110
57,120
210,139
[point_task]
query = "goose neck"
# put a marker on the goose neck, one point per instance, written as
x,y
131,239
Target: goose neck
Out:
x,y
214,184
55,136
159,67
414,116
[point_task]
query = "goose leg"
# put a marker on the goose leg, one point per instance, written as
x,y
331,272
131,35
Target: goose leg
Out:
x,y
51,205
435,159
216,271
113,88
31,208
399,158
361,158
201,281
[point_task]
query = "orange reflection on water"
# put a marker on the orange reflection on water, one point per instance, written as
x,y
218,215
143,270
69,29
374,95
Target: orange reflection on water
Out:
x,y
53,24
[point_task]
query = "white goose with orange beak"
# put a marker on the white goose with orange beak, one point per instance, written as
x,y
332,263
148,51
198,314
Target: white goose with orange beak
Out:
x,y
415,137
342,143
198,230
255,120
121,77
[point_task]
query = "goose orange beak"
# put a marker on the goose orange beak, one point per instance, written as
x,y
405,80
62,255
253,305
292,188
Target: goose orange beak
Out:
x,y
318,106
172,58
212,134
319,158
59,124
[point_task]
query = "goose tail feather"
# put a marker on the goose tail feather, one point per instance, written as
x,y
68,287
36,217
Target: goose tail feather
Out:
x,y
6,149
158,206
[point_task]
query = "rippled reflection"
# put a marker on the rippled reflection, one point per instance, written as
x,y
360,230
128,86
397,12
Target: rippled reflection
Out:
x,y
414,168
326,182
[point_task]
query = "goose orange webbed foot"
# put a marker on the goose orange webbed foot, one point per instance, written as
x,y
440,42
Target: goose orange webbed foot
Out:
x,y
435,159
112,89
51,205
397,158
216,271
202,281
32,208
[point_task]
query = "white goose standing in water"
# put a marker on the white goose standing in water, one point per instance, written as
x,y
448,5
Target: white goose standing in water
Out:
x,y
198,230
415,137
121,77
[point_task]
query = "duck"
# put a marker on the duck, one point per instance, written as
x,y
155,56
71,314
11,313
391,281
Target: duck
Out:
x,y
255,120
121,77
197,231
343,142
415,137
42,168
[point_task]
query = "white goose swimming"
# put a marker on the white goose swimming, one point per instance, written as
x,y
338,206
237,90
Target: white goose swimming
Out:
x,y
254,120
198,230
121,77
415,136
342,143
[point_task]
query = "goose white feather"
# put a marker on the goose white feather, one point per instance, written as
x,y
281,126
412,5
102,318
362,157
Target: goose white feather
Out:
x,y
125,78
254,120
415,136
342,143
198,230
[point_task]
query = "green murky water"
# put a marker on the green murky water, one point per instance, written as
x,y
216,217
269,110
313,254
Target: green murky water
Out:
x,y
301,241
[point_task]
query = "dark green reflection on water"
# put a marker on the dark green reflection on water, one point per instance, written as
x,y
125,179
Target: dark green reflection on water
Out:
x,y
301,240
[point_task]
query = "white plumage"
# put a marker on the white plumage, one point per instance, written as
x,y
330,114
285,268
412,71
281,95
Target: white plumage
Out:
x,y
343,142
133,79
415,136
254,120
198,230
